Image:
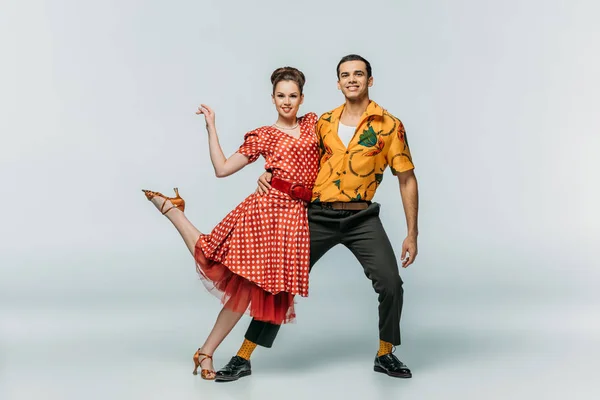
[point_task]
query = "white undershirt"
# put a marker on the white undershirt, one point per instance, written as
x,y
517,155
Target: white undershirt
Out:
x,y
346,133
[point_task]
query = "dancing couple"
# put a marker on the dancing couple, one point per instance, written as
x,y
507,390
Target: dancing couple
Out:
x,y
321,175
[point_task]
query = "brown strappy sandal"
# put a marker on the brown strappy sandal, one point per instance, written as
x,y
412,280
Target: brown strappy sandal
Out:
x,y
207,374
177,202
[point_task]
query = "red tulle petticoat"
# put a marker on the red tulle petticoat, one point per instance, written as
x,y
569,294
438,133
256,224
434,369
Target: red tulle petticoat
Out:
x,y
241,295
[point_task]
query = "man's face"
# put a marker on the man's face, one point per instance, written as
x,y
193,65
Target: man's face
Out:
x,y
352,80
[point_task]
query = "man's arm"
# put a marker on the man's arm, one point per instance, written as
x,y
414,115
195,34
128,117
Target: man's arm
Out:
x,y
409,192
264,183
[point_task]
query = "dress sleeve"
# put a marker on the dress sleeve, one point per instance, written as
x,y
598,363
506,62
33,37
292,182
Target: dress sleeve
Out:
x,y
312,118
398,156
252,146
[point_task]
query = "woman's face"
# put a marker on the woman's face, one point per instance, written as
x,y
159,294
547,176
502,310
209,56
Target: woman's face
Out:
x,y
287,99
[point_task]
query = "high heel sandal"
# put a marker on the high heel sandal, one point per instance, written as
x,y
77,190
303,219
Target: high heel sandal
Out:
x,y
177,202
207,374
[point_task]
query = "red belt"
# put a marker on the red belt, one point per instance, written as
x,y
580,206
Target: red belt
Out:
x,y
295,190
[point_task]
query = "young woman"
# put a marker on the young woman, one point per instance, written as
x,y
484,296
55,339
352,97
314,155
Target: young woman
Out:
x,y
257,259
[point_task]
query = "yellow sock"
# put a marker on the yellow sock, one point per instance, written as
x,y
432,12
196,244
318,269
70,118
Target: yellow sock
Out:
x,y
384,348
247,348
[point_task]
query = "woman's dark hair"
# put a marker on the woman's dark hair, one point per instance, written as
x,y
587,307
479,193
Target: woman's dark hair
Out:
x,y
354,57
288,74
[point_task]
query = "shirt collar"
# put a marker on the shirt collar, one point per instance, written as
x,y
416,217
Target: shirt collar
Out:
x,y
372,109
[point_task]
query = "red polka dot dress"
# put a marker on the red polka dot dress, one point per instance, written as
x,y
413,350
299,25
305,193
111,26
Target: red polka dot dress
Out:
x,y
257,258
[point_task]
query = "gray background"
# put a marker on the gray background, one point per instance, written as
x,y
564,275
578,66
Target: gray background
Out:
x,y
98,296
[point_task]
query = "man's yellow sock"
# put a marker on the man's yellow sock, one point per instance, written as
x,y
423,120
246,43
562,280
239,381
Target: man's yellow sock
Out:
x,y
246,350
384,348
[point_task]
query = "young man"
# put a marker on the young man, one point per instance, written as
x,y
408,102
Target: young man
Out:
x,y
358,140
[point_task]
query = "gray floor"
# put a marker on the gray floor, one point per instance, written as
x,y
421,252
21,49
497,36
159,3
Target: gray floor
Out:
x,y
110,348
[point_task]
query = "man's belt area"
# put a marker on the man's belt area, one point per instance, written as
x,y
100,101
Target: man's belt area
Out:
x,y
344,205
295,190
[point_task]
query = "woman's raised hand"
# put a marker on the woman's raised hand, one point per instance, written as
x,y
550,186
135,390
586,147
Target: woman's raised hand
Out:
x,y
209,115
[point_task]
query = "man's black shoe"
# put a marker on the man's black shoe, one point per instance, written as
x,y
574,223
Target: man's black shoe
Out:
x,y
235,369
390,365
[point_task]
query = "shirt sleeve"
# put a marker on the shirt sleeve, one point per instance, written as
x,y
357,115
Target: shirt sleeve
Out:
x,y
252,146
320,122
398,156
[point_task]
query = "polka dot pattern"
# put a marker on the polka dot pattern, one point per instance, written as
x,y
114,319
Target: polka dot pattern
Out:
x,y
265,239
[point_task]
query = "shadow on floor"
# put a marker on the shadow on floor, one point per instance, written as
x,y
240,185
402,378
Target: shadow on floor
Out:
x,y
423,350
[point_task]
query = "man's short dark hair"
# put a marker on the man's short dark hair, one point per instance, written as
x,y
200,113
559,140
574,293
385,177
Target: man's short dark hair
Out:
x,y
354,57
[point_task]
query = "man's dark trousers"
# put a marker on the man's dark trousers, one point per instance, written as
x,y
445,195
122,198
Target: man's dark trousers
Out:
x,y
361,232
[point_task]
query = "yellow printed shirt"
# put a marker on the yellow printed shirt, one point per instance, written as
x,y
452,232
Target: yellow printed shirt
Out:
x,y
353,173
